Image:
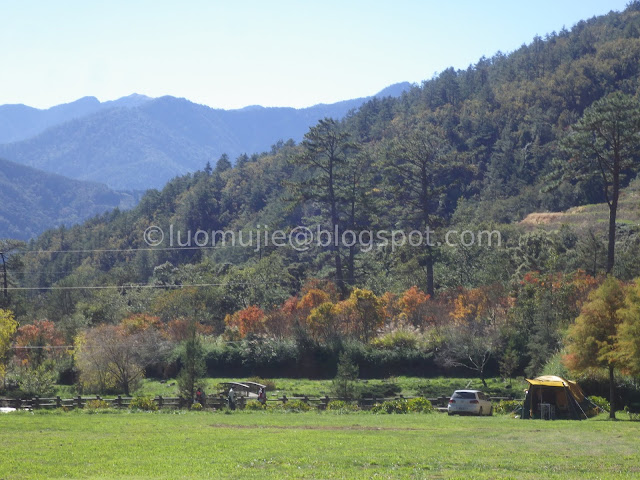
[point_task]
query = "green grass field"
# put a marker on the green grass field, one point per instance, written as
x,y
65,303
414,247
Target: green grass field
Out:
x,y
409,386
312,445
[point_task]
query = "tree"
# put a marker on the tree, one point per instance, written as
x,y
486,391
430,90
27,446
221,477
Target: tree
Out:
x,y
421,172
8,327
323,321
38,342
473,337
193,364
248,320
469,346
362,314
592,339
628,337
344,384
325,152
109,357
605,143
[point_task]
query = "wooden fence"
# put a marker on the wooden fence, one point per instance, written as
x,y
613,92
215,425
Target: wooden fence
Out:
x,y
211,401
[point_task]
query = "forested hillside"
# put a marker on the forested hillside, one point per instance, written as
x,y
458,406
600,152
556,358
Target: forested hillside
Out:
x,y
473,150
32,201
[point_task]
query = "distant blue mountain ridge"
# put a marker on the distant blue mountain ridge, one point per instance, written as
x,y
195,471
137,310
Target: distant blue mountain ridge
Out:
x,y
138,142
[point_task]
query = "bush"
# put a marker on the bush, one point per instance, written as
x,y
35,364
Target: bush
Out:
x,y
508,407
143,403
341,406
601,403
413,405
197,406
419,405
293,406
254,405
391,406
97,404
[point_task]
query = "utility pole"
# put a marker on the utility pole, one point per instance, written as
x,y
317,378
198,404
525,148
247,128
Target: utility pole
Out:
x,y
4,274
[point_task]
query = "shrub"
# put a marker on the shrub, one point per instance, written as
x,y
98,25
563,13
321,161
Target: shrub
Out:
x,y
419,405
413,405
254,405
341,406
600,402
508,407
197,406
391,406
97,404
294,406
143,403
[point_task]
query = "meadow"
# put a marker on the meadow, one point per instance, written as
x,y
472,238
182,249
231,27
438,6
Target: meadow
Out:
x,y
298,387
172,445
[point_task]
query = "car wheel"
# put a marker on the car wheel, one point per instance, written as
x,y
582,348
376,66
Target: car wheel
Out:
x,y
480,412
491,411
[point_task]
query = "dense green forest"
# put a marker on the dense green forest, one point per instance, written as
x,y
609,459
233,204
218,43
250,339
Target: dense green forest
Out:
x,y
475,149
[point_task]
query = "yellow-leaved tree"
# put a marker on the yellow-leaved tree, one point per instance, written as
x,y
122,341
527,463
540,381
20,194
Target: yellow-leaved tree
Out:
x,y
8,327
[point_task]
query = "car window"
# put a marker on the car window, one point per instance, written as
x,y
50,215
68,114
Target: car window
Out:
x,y
483,396
465,395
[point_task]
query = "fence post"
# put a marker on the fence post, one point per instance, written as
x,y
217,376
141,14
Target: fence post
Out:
x,y
35,403
306,400
79,401
119,401
58,402
284,399
159,401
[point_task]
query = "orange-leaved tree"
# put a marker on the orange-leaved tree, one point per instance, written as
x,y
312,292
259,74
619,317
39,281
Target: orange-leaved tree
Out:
x,y
592,340
248,320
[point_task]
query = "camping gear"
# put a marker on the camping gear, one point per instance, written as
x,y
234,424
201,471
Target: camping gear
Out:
x,y
550,397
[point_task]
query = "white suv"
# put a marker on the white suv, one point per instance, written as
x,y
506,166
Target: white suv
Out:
x,y
471,402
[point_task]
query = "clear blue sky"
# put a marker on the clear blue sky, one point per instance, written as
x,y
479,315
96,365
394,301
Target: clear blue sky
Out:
x,y
275,53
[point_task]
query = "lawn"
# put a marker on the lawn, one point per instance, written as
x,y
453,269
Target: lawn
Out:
x,y
408,386
312,445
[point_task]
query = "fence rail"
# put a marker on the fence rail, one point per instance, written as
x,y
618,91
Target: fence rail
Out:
x,y
211,401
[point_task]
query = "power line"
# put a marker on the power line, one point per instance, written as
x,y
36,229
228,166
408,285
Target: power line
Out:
x,y
137,249
132,286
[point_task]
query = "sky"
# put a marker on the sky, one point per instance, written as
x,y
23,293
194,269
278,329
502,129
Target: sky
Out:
x,y
229,54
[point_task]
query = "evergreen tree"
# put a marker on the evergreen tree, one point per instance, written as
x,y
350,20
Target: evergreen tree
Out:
x,y
605,143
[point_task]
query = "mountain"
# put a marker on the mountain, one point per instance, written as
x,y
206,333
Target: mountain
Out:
x,y
19,122
32,201
139,143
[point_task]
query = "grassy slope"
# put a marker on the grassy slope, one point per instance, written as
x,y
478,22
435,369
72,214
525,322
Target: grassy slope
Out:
x,y
312,445
594,217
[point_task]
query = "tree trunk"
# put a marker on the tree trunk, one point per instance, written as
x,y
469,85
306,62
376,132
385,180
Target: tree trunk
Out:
x,y
612,394
613,211
429,265
484,382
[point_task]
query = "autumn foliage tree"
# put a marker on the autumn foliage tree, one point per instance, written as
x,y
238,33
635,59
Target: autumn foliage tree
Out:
x,y
8,327
248,320
628,337
592,339
38,342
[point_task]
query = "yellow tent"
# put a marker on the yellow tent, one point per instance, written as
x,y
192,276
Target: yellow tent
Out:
x,y
555,396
